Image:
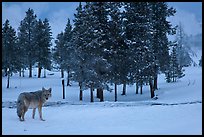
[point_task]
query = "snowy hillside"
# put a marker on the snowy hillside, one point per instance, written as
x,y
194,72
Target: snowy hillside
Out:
x,y
196,55
178,109
195,47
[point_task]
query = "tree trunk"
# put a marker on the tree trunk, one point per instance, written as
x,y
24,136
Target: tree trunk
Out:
x,y
97,93
62,73
173,75
137,87
155,82
30,71
80,91
44,73
141,88
68,81
6,73
91,90
20,73
115,92
151,88
23,72
101,94
63,89
39,70
8,76
124,89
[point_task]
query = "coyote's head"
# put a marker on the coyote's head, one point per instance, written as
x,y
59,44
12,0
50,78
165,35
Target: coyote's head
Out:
x,y
46,93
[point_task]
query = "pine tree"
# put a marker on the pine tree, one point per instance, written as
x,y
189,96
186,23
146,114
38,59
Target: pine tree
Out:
x,y
175,70
47,46
132,45
174,64
160,28
115,55
63,50
93,50
10,58
59,54
43,43
69,49
22,40
26,38
39,43
78,41
138,38
97,15
184,58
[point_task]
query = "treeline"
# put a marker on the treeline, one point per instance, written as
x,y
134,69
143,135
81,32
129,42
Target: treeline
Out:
x,y
30,46
110,42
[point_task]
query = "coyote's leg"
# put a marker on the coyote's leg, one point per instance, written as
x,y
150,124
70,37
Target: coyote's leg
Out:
x,y
20,118
24,111
40,112
34,113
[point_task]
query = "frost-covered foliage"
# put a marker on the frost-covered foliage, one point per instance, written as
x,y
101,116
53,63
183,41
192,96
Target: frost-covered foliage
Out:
x,y
175,70
110,42
10,55
35,41
129,43
182,49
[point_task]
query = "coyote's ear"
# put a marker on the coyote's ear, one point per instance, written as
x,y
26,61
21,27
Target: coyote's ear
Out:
x,y
50,89
43,88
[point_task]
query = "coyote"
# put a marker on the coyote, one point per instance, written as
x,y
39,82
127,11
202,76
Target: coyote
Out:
x,y
32,100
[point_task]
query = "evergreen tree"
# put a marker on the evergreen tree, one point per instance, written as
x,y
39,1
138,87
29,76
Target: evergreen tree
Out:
x,y
160,28
138,37
43,43
120,45
184,58
131,23
39,41
46,63
22,39
63,50
94,48
59,52
26,38
69,49
174,64
115,57
98,45
175,70
78,41
10,56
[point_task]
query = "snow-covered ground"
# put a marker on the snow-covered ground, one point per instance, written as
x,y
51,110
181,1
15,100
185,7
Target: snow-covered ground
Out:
x,y
178,109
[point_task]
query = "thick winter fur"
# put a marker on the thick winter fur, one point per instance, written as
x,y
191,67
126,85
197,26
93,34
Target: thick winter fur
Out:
x,y
32,100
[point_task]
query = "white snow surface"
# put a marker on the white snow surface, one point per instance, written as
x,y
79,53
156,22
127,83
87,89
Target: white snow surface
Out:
x,y
177,111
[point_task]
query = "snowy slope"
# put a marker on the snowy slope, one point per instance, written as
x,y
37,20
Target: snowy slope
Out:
x,y
178,109
196,55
